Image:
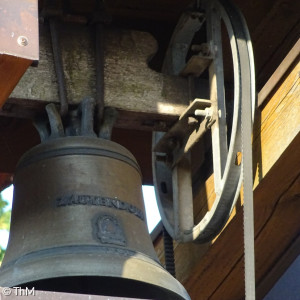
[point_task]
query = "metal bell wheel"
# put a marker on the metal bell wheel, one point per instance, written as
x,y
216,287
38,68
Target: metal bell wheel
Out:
x,y
172,164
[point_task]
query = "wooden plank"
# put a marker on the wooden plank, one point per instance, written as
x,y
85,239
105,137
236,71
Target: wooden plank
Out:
x,y
277,124
130,85
274,28
271,36
279,73
19,42
216,271
11,70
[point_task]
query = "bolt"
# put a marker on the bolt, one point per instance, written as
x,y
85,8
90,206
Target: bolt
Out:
x,y
22,41
206,113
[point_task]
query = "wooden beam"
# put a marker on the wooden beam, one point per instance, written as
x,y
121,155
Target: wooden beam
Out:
x,y
216,271
130,85
274,23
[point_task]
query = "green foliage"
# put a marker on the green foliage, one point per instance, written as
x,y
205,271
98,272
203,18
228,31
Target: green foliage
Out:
x,y
4,221
4,215
2,252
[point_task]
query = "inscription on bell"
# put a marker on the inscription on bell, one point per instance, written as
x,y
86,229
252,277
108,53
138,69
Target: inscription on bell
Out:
x,y
73,199
109,231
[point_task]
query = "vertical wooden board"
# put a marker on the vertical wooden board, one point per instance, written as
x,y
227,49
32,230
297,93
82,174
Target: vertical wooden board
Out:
x,y
12,69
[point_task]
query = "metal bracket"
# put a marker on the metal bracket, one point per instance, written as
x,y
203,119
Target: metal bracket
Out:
x,y
181,138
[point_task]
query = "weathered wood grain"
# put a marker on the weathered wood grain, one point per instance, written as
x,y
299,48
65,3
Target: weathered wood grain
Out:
x,y
130,85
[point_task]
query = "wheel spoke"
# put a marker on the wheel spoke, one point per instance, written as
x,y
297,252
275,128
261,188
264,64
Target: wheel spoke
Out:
x,y
217,96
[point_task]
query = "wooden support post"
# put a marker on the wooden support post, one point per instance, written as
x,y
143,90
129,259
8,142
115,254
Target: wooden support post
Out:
x,y
11,70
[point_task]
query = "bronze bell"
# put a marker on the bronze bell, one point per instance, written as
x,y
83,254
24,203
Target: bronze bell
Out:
x,y
79,225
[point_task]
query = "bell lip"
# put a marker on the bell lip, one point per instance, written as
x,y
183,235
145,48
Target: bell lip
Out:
x,y
85,261
77,145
